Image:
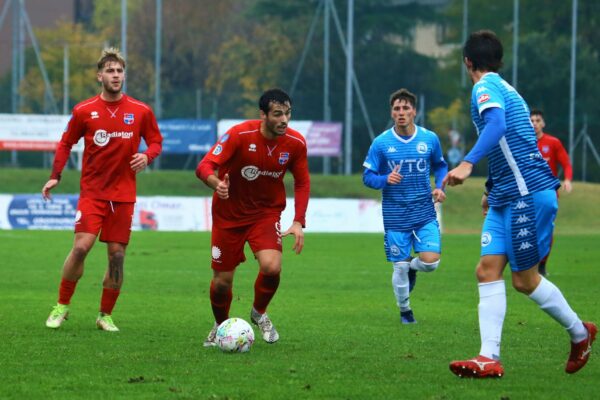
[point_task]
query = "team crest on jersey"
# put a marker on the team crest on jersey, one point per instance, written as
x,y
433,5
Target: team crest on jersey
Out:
x,y
284,158
422,147
128,118
218,150
483,98
545,149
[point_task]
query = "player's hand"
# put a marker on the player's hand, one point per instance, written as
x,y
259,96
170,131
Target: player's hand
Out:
x,y
484,204
222,188
567,186
139,162
438,195
394,177
51,184
458,175
296,230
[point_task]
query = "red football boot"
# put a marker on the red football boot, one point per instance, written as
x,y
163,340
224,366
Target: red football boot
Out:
x,y
580,352
478,367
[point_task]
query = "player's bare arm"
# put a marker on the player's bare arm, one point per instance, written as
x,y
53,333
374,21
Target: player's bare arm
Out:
x,y
139,162
298,232
458,175
567,185
394,177
51,184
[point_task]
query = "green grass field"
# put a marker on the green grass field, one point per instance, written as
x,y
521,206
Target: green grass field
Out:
x,y
340,332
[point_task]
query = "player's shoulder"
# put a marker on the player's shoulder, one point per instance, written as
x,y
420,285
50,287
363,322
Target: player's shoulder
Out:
x,y
295,137
426,133
86,104
383,136
244,128
137,103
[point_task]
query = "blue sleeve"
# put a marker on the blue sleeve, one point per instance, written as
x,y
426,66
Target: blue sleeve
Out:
x,y
439,165
495,128
373,180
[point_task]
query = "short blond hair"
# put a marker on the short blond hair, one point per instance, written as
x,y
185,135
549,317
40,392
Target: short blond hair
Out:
x,y
110,54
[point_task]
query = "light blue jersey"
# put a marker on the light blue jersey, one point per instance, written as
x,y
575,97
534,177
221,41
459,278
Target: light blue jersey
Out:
x,y
407,205
516,167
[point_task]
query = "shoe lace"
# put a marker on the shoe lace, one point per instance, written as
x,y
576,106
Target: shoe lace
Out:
x,y
265,323
58,310
107,319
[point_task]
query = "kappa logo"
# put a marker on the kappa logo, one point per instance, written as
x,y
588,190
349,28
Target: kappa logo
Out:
x,y
522,219
252,147
94,115
521,205
391,149
481,89
523,232
525,246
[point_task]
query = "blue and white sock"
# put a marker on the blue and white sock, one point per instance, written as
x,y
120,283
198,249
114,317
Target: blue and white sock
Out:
x,y
400,284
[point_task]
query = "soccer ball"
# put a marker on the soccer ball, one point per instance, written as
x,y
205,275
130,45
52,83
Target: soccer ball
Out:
x,y
235,336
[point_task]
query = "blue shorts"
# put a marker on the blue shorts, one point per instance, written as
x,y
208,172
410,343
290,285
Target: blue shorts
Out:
x,y
398,244
521,230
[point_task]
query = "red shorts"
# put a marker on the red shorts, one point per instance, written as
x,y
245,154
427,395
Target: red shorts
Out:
x,y
228,244
112,218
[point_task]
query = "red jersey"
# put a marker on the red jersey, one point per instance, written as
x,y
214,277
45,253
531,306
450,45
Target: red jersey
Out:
x,y
256,167
112,132
554,153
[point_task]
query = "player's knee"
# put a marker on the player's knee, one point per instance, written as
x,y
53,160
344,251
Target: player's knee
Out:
x,y
79,253
222,285
485,273
117,257
425,264
430,266
270,267
524,286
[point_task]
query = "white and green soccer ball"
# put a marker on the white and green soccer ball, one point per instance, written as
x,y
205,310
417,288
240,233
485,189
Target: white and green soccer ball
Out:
x,y
235,336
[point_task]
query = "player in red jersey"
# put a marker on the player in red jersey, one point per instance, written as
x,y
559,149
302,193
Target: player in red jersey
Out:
x,y
555,154
246,169
112,125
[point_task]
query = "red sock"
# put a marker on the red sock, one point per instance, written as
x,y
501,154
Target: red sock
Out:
x,y
109,298
220,303
264,290
65,291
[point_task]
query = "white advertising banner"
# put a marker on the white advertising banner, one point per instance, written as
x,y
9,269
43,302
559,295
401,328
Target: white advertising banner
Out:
x,y
164,213
31,132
